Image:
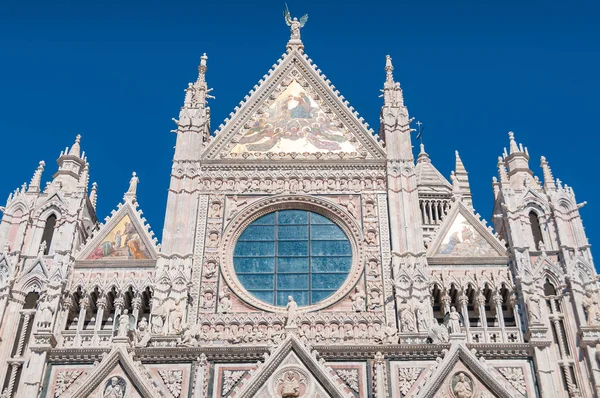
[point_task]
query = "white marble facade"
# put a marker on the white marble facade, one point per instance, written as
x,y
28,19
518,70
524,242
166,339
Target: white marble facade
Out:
x,y
303,255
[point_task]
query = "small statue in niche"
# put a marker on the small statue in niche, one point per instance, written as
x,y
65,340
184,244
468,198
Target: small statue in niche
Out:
x,y
123,324
421,319
210,269
375,299
42,249
407,318
115,388
454,321
234,205
350,207
225,304
142,334
290,386
462,386
208,300
215,210
358,299
292,313
592,308
213,239
371,237
533,307
373,268
46,308
369,209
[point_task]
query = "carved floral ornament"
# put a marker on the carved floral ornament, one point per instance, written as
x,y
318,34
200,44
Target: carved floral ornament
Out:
x,y
322,206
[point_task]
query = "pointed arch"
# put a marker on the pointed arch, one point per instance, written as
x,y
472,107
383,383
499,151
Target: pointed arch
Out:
x,y
48,234
536,229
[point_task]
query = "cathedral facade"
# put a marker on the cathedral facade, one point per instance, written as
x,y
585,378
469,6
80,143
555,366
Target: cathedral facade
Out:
x,y
303,255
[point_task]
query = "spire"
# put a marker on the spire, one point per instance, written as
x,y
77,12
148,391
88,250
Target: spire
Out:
x,y
198,92
394,126
36,180
392,93
513,144
463,180
71,165
76,148
94,195
131,193
517,159
423,156
547,173
502,173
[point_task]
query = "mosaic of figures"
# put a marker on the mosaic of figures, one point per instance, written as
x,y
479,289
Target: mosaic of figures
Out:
x,y
462,240
123,242
294,122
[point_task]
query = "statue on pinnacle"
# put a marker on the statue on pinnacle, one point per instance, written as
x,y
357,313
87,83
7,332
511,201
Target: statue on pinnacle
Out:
x,y
294,24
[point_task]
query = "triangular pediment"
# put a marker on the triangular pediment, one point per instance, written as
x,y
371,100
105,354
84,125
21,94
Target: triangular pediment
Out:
x,y
123,237
291,365
294,113
463,236
118,371
462,366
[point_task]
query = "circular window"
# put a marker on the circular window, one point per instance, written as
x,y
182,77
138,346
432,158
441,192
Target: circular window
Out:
x,y
294,253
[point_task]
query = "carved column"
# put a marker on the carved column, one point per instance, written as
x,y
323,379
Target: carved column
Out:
x,y
497,301
464,301
84,306
480,303
119,304
101,305
380,379
11,325
136,305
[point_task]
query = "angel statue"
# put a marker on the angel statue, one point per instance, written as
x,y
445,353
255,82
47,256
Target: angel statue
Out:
x,y
294,24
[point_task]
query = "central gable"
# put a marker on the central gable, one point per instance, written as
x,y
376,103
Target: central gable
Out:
x,y
294,123
294,113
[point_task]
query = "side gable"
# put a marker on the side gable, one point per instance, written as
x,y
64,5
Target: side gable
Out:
x,y
460,353
124,236
294,113
102,376
463,237
291,356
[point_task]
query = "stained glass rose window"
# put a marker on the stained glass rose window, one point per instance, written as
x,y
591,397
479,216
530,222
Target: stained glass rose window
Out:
x,y
294,253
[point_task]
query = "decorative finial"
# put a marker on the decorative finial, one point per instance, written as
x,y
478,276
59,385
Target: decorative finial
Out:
x,y
514,148
197,93
76,148
389,68
133,183
202,68
294,24
94,195
547,173
502,173
392,93
36,180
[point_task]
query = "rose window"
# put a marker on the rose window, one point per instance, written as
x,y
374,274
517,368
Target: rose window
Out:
x,y
294,253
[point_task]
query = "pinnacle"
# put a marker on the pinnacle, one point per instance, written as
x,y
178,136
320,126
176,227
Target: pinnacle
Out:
x,y
514,148
460,167
76,148
423,156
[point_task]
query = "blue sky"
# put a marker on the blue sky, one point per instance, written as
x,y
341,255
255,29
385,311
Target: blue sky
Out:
x,y
115,71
